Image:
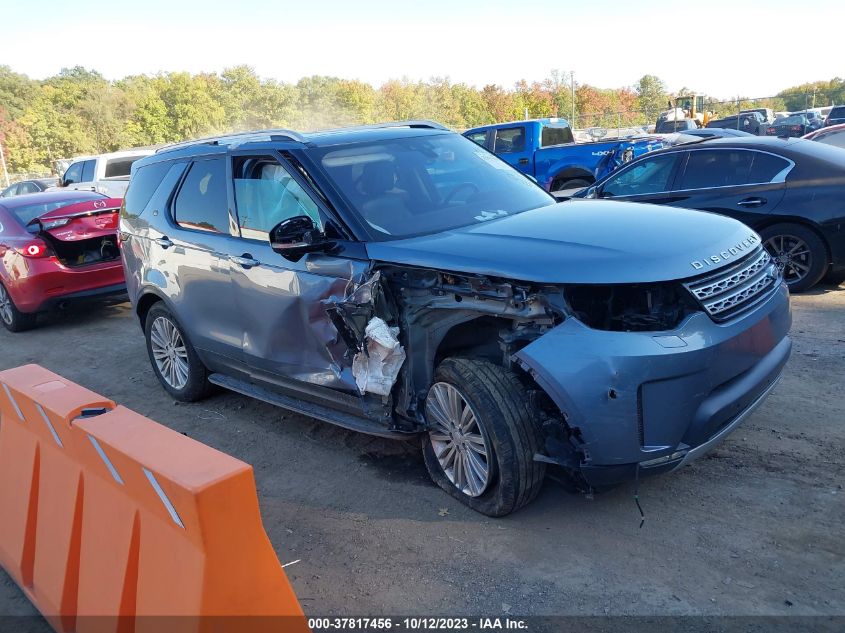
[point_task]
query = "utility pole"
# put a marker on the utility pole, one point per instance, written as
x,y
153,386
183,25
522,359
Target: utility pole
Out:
x,y
572,84
3,161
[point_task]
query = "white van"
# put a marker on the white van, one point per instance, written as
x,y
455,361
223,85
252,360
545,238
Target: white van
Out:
x,y
106,173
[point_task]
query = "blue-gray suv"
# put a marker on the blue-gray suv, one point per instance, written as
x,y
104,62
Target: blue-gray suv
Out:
x,y
402,281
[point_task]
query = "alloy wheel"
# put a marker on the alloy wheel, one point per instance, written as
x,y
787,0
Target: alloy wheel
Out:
x,y
791,255
169,352
457,439
6,307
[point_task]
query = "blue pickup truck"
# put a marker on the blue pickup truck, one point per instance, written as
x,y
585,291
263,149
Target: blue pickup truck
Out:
x,y
546,149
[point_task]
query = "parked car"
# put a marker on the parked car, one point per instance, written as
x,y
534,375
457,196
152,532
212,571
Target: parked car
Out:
x,y
28,186
751,122
836,116
767,113
401,281
545,150
816,120
107,173
833,135
668,127
56,247
790,190
794,125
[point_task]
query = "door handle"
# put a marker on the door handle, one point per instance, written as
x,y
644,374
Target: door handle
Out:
x,y
523,161
246,260
163,241
751,202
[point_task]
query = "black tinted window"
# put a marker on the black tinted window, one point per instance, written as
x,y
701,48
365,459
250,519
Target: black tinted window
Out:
x,y
765,167
837,113
651,175
510,139
716,168
73,173
555,135
142,187
119,167
201,202
266,194
88,170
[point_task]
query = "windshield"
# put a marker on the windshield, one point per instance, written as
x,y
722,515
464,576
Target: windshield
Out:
x,y
27,213
412,186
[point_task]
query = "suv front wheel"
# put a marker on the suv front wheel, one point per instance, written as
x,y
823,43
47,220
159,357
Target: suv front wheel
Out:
x,y
482,437
174,361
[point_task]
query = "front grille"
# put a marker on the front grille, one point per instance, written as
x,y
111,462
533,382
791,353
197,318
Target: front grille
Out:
x,y
731,291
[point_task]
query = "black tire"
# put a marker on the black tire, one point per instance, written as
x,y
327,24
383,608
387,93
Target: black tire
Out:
x,y
512,435
196,386
577,183
13,319
816,261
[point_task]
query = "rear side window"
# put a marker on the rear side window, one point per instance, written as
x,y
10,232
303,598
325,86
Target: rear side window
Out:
x,y
201,203
510,139
716,168
88,170
119,167
555,135
765,167
266,194
142,187
837,113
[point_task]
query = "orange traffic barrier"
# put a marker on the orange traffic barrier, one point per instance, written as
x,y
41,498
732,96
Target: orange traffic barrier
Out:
x,y
111,522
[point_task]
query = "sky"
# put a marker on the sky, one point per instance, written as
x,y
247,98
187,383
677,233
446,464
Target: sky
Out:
x,y
723,48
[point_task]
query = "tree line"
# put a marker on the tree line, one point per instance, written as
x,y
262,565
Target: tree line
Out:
x,y
78,111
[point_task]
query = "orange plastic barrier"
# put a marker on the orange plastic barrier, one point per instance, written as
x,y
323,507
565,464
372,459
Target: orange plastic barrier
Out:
x,y
112,522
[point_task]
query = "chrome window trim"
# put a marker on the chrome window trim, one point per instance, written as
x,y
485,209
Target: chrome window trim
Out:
x,y
779,178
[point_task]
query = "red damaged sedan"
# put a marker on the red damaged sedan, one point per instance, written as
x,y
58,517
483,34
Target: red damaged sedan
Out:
x,y
56,247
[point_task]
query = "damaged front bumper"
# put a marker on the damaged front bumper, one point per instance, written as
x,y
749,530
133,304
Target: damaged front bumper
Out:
x,y
639,403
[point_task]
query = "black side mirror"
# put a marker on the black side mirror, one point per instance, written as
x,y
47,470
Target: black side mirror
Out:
x,y
296,236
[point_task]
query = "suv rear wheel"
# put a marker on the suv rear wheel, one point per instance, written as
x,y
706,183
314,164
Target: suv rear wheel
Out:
x,y
482,437
174,361
13,319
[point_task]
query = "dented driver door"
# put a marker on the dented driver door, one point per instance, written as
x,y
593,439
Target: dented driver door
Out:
x,y
287,333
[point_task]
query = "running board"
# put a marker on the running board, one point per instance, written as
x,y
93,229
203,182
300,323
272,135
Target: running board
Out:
x,y
326,414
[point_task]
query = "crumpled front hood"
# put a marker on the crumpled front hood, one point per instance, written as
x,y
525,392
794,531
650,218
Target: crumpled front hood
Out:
x,y
582,241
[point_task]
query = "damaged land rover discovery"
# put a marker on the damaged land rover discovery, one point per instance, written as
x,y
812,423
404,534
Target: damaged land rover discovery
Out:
x,y
402,281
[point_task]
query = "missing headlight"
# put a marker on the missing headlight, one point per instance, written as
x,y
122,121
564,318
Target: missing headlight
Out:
x,y
631,308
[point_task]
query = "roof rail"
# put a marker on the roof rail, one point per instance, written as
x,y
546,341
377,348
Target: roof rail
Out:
x,y
239,137
413,123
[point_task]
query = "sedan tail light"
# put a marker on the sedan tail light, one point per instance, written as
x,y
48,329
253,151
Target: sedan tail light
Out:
x,y
771,130
34,249
796,128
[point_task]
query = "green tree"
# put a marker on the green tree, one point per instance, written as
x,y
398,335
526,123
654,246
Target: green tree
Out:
x,y
651,96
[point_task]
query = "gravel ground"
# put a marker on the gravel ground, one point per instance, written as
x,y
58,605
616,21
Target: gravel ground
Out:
x,y
755,528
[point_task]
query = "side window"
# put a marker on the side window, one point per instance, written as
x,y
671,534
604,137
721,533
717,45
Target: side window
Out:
x,y
651,175
27,187
717,168
510,139
266,194
478,137
73,174
765,167
201,203
119,167
88,170
555,135
142,186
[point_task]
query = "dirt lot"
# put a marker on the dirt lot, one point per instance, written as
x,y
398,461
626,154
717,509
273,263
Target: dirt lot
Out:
x,y
753,529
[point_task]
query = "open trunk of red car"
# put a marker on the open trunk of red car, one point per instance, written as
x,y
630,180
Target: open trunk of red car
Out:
x,y
84,233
